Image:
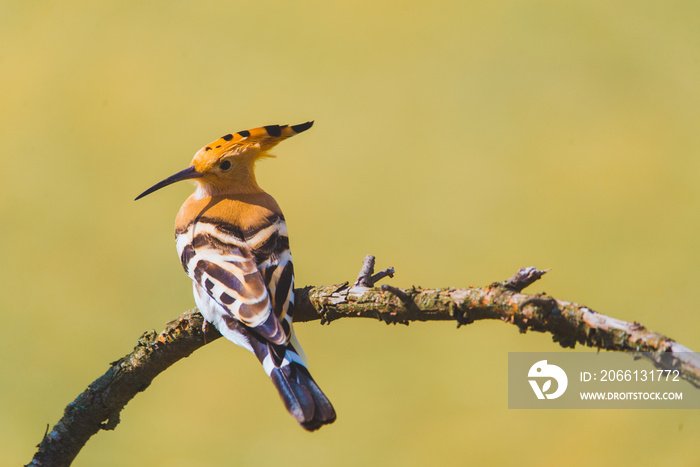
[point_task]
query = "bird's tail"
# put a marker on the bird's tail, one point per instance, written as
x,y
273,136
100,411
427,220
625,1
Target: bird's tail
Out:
x,y
301,396
286,366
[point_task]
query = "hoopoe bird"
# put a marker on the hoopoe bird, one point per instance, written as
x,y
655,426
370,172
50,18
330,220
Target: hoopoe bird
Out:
x,y
232,240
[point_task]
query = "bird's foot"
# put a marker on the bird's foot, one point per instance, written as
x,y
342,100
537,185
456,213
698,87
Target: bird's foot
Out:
x,y
205,329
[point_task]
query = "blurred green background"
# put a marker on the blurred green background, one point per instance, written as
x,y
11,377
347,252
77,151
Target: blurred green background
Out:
x,y
457,141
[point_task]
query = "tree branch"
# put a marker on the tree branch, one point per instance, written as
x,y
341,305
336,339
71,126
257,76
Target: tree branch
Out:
x,y
99,406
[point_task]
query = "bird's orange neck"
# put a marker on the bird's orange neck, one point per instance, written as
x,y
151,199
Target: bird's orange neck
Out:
x,y
241,182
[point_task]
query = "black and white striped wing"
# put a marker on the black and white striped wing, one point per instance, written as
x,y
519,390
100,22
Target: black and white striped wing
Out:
x,y
270,245
224,266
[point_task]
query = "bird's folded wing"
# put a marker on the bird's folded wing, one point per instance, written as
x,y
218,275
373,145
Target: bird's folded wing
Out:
x,y
230,276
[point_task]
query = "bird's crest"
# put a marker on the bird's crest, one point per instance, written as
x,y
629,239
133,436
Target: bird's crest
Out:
x,y
248,144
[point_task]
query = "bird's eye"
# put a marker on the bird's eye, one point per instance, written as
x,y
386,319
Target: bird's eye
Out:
x,y
225,165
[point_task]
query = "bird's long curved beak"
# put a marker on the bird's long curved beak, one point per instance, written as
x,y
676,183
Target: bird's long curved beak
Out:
x,y
186,174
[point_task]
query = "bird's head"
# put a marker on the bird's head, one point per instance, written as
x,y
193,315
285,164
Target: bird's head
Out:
x,y
227,164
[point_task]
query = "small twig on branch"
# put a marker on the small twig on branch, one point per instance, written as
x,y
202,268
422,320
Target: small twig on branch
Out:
x,y
523,278
381,275
99,406
366,277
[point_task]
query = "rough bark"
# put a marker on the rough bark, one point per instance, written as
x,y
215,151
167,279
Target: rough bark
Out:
x,y
99,406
